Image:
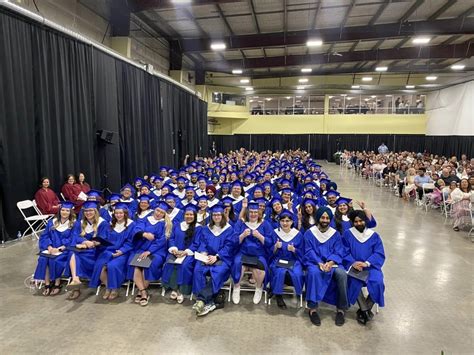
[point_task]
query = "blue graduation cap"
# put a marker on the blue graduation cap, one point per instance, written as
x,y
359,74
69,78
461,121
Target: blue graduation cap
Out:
x,y
286,191
115,197
286,213
275,200
333,193
252,206
236,183
202,198
169,197
343,200
190,207
121,206
90,204
217,208
193,175
332,186
227,201
324,181
128,186
174,174
67,204
285,182
145,198
261,201
93,195
163,169
138,180
189,188
162,205
181,179
225,185
258,188
168,186
309,201
146,184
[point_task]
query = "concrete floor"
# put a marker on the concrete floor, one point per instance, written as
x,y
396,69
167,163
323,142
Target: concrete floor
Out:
x,y
429,303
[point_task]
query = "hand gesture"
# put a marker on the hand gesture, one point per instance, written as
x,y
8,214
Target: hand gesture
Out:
x,y
246,233
300,215
245,203
291,248
359,265
361,204
149,236
290,205
257,234
211,259
278,244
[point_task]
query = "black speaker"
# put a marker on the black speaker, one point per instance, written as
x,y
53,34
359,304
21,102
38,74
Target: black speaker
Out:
x,y
105,136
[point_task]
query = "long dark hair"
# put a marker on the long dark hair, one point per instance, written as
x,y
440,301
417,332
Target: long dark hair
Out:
x,y
338,217
114,220
306,216
42,180
190,231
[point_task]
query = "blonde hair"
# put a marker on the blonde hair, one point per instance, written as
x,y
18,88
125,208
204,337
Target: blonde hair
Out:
x,y
168,226
95,223
71,219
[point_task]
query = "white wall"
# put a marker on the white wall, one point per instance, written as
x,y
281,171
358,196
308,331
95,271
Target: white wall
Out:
x,y
451,111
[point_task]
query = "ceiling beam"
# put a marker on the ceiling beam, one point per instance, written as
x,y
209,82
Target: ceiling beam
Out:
x,y
378,44
379,13
348,12
467,13
252,7
442,10
330,35
318,9
401,43
437,52
354,46
451,39
411,10
224,19
143,5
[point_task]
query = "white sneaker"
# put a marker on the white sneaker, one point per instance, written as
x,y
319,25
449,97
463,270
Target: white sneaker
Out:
x,y
207,308
257,297
236,295
180,298
198,306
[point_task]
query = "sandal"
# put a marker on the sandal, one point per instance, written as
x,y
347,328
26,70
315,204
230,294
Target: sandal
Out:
x,y
47,290
173,295
74,285
55,290
138,297
73,295
144,300
456,229
113,295
106,294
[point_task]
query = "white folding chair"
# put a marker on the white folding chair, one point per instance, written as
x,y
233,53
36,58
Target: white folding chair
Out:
x,y
41,213
425,200
62,196
36,222
445,207
471,206
290,290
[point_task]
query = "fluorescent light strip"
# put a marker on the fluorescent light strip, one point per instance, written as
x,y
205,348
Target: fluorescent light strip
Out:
x,y
421,40
381,69
244,81
248,88
314,43
218,46
410,86
355,87
306,70
431,77
237,71
458,66
367,78
304,80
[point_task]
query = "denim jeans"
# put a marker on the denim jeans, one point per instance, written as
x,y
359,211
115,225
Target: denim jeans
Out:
x,y
340,277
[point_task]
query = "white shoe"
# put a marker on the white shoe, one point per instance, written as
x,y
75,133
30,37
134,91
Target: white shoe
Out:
x,y
257,297
207,308
236,295
180,297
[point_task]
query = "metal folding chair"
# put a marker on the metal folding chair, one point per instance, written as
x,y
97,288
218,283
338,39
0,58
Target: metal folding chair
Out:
x,y
36,222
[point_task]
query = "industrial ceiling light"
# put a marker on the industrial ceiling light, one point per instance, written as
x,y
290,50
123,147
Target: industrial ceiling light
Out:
x,y
410,86
301,87
367,78
421,40
244,81
381,68
355,87
218,46
458,66
181,2
431,77
306,70
288,97
303,80
237,71
314,43
248,88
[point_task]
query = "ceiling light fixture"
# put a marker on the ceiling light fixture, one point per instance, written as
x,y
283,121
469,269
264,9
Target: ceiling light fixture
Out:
x,y
237,71
314,43
367,78
421,40
355,87
381,68
458,66
304,80
431,77
288,97
306,70
244,81
181,2
301,87
248,88
218,46
410,86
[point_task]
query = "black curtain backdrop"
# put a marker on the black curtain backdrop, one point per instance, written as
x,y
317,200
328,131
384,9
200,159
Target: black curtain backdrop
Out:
x,y
323,146
56,92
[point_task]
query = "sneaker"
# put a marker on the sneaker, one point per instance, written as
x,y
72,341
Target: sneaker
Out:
x,y
236,295
257,297
207,308
280,302
173,295
198,306
362,317
314,316
340,319
180,298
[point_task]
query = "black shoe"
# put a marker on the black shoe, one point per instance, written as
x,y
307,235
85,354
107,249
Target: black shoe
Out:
x,y
370,314
280,302
314,316
362,317
340,319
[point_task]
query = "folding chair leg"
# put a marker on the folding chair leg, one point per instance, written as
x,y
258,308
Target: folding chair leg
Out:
x,y
98,290
128,288
163,292
191,297
376,308
133,289
301,301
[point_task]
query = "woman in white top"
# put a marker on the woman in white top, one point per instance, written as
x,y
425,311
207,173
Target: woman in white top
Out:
x,y
461,198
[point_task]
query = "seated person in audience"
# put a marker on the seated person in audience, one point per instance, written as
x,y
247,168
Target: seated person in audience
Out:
x,y
184,241
202,213
254,242
237,194
436,196
212,199
286,261
111,265
107,211
81,182
54,240
326,279
447,191
448,177
46,199
421,179
409,183
341,221
229,213
365,252
307,215
71,191
82,259
144,208
174,213
461,198
127,192
217,243
189,196
150,240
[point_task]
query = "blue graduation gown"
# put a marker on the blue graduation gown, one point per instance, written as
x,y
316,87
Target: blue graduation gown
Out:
x,y
251,246
116,266
85,259
296,273
141,216
366,246
222,244
321,248
176,216
346,224
61,236
106,214
178,241
156,247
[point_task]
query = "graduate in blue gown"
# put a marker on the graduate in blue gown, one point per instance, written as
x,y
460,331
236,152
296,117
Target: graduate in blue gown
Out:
x,y
237,196
150,240
229,212
307,216
217,244
128,193
111,265
341,221
253,238
326,279
175,213
144,208
286,261
184,241
84,254
107,211
202,210
55,238
366,252
276,207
